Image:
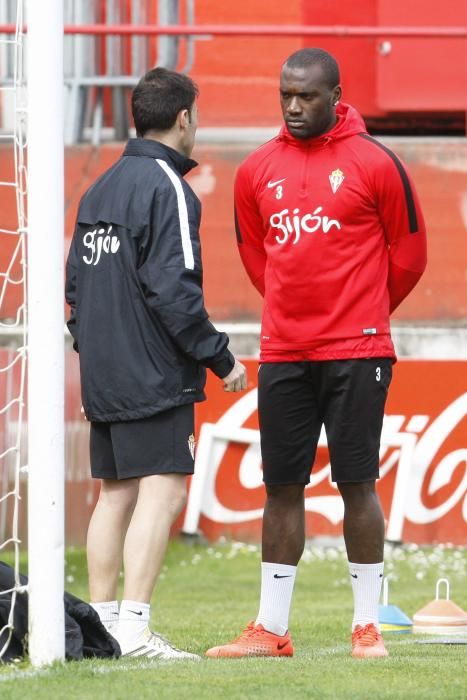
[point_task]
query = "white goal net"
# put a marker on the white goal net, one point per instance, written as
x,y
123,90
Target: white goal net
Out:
x,y
32,321
12,299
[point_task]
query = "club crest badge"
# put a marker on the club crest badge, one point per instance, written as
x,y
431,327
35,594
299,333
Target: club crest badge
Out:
x,y
191,445
336,179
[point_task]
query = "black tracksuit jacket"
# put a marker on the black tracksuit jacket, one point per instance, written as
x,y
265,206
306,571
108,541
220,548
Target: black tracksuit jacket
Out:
x,y
134,285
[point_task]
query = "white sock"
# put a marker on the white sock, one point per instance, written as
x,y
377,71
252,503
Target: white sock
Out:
x,y
132,621
366,586
108,613
277,582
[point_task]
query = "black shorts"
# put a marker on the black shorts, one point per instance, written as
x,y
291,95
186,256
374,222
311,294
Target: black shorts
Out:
x,y
296,398
160,444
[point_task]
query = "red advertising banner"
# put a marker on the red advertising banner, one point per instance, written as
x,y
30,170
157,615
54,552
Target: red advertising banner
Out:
x,y
423,485
423,461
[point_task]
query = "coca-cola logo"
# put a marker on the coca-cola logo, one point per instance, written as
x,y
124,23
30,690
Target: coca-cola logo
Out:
x,y
410,447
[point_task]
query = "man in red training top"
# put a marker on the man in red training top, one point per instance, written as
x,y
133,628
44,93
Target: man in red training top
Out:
x,y
331,234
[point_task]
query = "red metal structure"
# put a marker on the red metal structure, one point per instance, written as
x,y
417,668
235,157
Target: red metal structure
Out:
x,y
403,64
238,30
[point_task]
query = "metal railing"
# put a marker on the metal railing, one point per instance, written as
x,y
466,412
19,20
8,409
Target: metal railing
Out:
x,y
94,61
96,52
237,30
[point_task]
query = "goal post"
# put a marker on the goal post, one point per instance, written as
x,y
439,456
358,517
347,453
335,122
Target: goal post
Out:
x,y
45,252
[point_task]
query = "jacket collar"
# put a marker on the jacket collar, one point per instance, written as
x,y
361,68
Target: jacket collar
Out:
x,y
349,122
155,149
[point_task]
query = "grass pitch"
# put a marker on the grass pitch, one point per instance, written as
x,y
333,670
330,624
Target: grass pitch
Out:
x,y
206,595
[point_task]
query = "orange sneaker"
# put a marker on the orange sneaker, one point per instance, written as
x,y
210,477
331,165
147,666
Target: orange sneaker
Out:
x,y
367,642
254,641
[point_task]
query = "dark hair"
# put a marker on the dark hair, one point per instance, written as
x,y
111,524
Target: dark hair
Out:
x,y
159,97
307,57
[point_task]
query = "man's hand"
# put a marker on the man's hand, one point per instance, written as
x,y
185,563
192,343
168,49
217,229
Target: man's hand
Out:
x,y
236,380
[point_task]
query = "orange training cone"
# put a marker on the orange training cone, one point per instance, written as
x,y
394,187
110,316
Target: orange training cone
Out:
x,y
440,616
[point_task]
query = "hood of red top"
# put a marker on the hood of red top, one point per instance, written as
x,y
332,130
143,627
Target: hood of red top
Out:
x,y
349,122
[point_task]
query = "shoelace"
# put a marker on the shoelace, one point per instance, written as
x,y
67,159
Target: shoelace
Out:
x,y
250,631
366,636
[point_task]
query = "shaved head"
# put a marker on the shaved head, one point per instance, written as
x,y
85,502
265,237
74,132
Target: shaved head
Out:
x,y
309,92
305,58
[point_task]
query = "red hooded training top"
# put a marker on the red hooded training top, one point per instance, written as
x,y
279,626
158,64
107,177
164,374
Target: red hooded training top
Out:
x,y
331,234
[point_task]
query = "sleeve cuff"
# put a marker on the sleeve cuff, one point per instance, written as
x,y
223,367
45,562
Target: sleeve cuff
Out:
x,y
223,366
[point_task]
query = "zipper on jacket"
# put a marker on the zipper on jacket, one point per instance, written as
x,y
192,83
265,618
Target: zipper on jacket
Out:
x,y
304,175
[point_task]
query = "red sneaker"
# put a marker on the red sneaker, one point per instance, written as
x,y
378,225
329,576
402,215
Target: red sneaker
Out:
x,y
254,641
367,642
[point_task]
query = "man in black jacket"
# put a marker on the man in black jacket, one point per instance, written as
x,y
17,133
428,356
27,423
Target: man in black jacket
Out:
x,y
134,285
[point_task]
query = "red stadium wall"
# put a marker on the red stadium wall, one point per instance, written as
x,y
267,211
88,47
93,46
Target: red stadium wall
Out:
x,y
238,79
390,78
439,169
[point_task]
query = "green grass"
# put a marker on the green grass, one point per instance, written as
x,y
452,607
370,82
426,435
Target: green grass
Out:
x,y
207,594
